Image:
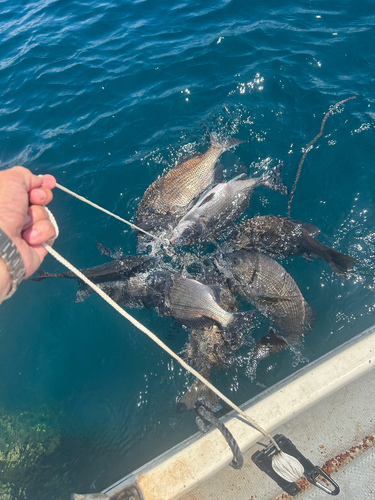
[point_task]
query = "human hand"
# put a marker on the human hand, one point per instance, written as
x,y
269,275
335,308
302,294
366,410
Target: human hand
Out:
x,y
22,215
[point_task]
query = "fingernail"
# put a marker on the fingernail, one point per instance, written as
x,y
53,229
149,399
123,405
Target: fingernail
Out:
x,y
42,195
27,219
34,234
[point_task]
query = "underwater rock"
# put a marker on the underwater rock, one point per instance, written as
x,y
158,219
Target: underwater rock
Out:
x,y
25,438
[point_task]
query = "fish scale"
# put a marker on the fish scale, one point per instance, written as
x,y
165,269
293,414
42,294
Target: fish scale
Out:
x,y
177,189
271,289
289,313
191,301
214,212
276,235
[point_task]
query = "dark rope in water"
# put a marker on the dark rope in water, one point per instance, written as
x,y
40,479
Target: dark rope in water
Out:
x,y
309,148
205,413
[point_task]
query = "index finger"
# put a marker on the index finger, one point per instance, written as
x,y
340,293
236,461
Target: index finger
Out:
x,y
49,181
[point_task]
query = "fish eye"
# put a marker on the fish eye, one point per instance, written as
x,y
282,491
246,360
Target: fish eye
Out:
x,y
236,261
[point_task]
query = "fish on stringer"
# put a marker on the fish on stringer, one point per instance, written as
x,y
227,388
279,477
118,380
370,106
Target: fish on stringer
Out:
x,y
217,209
212,348
168,198
196,305
121,266
263,282
283,237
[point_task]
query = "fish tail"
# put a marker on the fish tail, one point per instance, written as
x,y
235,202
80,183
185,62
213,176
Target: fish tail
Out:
x,y
229,142
273,180
104,250
43,275
340,263
198,391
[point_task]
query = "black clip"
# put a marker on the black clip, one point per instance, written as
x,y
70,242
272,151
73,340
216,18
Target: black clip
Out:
x,y
263,460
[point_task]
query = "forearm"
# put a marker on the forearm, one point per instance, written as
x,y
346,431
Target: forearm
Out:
x,y
5,280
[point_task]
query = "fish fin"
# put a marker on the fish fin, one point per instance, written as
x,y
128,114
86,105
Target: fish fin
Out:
x,y
272,335
268,345
198,391
219,173
214,139
229,142
206,199
270,297
340,263
293,337
183,272
104,250
290,338
203,125
117,254
310,319
217,292
43,275
273,180
202,220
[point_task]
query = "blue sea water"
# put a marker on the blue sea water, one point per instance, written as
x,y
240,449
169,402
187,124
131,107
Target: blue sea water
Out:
x,y
107,95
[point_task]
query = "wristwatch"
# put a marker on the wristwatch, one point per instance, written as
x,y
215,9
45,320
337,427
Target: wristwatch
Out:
x,y
12,257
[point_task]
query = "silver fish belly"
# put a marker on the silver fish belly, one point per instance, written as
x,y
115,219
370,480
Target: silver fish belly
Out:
x,y
216,210
194,304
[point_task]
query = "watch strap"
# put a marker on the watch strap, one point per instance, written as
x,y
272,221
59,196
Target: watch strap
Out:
x,y
13,259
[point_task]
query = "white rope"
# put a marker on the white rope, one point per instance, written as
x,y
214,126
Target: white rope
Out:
x,y
133,226
287,467
284,465
152,336
54,223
